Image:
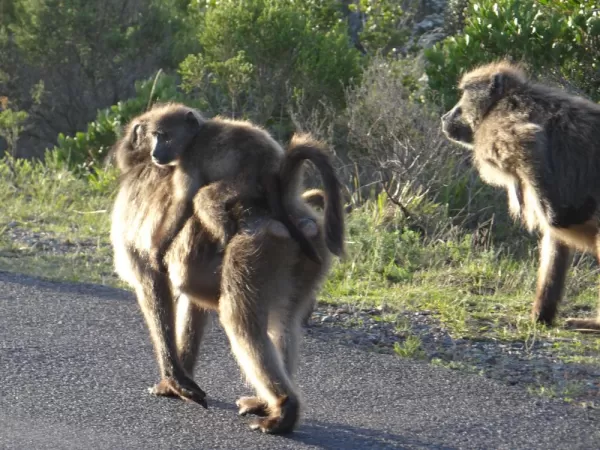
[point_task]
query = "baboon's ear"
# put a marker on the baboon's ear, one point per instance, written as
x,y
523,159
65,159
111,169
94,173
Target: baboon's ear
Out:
x,y
135,133
498,84
193,120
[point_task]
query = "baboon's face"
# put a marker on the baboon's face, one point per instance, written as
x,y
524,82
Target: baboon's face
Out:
x,y
456,128
460,123
167,137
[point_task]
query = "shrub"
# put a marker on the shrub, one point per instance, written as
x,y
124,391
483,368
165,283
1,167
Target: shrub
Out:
x,y
394,135
86,55
11,125
260,55
558,39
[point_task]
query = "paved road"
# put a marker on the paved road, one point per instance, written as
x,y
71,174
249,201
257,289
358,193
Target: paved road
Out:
x,y
75,362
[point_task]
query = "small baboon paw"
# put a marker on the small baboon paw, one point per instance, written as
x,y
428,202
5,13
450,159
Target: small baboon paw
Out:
x,y
583,325
282,418
183,388
229,231
251,405
308,227
278,229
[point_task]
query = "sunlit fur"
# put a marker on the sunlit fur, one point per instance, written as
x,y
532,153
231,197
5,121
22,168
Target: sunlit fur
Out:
x,y
260,285
543,146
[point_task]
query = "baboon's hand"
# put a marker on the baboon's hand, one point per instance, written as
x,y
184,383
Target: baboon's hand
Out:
x,y
230,229
281,418
251,405
231,223
183,387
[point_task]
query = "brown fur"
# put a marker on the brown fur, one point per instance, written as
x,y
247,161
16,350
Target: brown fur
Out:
x,y
231,168
543,146
260,285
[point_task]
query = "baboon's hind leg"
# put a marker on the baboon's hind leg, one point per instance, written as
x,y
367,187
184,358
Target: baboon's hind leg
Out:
x,y
284,332
555,260
591,325
251,283
285,318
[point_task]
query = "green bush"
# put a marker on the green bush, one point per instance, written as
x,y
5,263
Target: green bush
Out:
x,y
11,125
260,55
557,39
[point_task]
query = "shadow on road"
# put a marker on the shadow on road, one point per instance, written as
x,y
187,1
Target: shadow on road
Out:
x,y
95,290
335,436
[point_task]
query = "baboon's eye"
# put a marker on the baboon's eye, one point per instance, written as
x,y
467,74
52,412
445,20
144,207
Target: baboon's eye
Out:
x,y
160,134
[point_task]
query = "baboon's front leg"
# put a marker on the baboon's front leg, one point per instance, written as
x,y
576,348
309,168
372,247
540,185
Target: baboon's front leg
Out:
x,y
251,283
587,325
555,260
156,301
179,213
190,323
181,209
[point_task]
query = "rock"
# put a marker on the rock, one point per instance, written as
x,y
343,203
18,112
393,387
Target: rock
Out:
x,y
429,23
429,39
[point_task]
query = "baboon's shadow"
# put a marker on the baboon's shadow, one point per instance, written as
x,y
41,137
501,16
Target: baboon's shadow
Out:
x,y
335,436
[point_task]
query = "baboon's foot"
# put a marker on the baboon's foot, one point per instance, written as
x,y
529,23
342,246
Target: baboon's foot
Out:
x,y
584,325
181,387
544,316
275,228
281,417
308,227
251,405
258,225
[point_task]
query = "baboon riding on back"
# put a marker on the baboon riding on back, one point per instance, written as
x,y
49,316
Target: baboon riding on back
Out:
x,y
543,146
208,217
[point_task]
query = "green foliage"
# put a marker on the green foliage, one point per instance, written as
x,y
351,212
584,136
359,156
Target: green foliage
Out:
x,y
7,12
561,39
11,125
63,60
262,54
85,149
381,29
96,35
454,19
217,85
412,347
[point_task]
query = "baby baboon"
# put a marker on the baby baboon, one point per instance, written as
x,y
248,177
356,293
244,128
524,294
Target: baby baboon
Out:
x,y
261,285
239,165
543,146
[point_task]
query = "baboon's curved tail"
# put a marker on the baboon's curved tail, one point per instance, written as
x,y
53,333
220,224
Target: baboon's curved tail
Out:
x,y
303,148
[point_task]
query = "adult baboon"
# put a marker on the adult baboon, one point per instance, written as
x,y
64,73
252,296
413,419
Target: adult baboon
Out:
x,y
543,146
260,284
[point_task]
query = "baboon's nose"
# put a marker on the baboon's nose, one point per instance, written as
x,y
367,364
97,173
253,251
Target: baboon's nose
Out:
x,y
450,115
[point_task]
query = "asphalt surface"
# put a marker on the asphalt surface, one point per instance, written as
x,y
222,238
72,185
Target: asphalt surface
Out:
x,y
75,363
